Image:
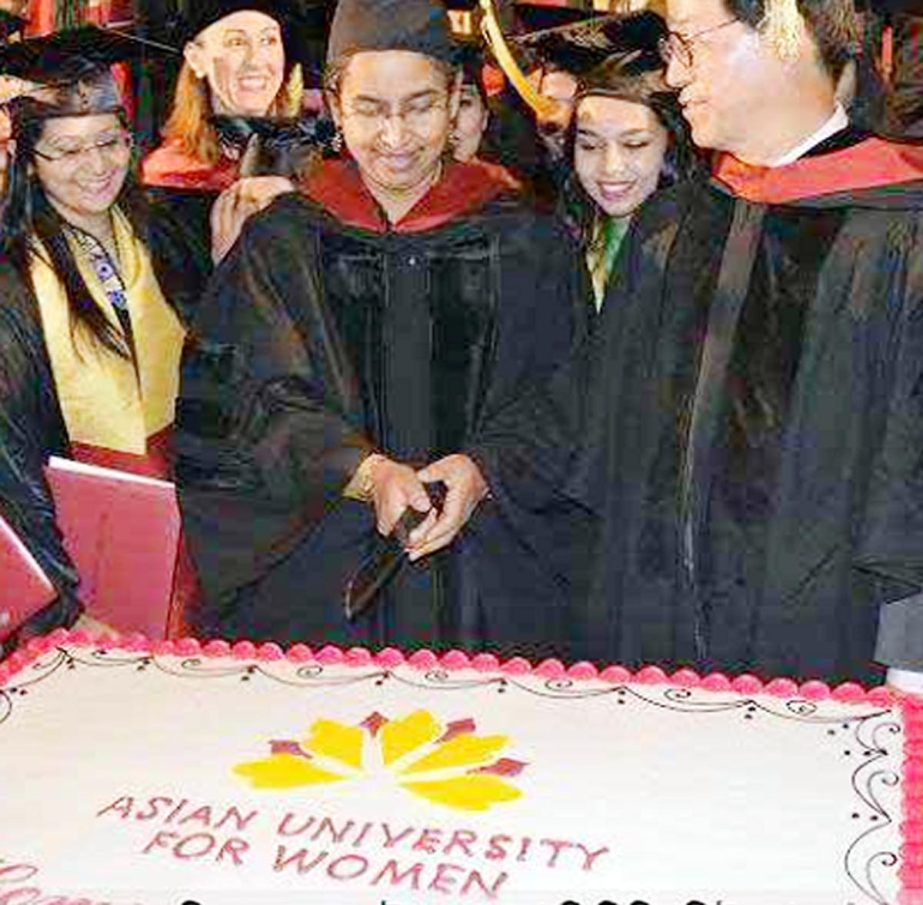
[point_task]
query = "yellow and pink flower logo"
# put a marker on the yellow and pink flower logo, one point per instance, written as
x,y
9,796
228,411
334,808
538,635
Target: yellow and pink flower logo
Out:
x,y
448,765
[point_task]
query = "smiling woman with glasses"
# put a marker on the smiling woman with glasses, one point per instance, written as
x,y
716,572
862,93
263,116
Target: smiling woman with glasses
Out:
x,y
93,283
360,335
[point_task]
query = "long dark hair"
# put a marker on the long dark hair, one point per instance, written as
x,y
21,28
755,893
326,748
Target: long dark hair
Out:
x,y
639,79
27,218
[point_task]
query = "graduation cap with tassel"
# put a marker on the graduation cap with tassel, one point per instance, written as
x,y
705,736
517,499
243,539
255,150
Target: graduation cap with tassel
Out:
x,y
68,73
577,46
580,47
496,41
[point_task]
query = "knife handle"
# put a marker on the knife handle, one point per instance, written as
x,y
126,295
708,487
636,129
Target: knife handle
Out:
x,y
411,517
387,557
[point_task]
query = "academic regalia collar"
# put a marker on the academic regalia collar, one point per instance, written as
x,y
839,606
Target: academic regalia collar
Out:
x,y
836,124
463,189
170,167
870,163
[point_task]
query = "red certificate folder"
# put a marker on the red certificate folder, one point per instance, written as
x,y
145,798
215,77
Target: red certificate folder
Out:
x,y
24,587
122,532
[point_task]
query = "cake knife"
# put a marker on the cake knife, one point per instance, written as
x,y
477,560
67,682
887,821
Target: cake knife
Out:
x,y
387,557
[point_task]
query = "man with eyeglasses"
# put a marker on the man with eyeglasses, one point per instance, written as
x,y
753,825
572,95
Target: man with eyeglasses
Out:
x,y
748,424
356,339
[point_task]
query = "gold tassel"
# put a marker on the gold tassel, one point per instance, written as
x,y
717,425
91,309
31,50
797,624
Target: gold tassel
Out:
x,y
783,26
291,94
493,34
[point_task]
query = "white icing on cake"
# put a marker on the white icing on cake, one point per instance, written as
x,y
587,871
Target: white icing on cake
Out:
x,y
128,778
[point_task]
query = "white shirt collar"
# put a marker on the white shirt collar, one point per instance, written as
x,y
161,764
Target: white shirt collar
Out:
x,y
837,122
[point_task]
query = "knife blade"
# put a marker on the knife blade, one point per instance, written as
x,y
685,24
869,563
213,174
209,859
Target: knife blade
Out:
x,y
386,559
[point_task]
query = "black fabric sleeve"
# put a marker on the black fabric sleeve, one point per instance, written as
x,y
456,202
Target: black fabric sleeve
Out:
x,y
900,634
184,216
891,549
180,253
30,431
539,450
529,444
268,426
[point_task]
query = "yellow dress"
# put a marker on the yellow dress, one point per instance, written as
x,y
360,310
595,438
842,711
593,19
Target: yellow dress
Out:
x,y
105,401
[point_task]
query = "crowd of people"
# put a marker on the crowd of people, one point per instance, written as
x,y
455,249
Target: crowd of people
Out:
x,y
642,348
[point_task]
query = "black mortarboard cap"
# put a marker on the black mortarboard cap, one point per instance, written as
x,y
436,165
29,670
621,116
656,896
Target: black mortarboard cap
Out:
x,y
304,26
203,13
72,70
529,17
471,60
55,57
421,26
580,47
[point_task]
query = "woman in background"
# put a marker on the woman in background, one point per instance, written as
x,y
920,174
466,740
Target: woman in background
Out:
x,y
237,66
628,139
473,112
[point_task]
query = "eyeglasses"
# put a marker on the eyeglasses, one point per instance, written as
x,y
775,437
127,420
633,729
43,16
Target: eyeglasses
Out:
x,y
677,47
417,115
111,145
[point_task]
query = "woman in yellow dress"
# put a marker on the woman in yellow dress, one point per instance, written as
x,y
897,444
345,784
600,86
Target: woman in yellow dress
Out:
x,y
93,285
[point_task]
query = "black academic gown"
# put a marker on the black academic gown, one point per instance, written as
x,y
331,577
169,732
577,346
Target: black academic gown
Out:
x,y
328,334
186,187
31,424
747,424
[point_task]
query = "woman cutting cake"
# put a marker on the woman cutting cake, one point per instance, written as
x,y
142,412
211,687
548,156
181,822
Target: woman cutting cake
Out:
x,y
354,335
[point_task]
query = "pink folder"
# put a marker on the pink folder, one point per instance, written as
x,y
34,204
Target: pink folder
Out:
x,y
24,587
122,532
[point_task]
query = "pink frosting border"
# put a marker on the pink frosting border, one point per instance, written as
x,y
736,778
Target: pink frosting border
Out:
x,y
452,661
911,871
912,826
